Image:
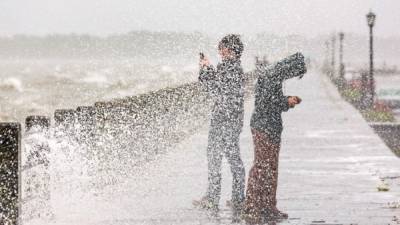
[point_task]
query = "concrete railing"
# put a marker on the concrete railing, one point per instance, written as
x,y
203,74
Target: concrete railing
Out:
x,y
142,126
35,186
10,155
136,128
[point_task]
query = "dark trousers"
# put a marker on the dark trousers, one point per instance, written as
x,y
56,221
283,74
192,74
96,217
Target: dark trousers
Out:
x,y
224,141
263,176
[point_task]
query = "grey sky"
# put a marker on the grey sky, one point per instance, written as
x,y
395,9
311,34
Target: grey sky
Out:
x,y
215,17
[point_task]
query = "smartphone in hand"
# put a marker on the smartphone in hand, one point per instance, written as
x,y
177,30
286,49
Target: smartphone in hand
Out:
x,y
203,60
201,56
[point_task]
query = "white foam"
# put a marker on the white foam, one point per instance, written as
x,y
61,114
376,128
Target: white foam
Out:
x,y
11,83
4,117
27,70
58,68
167,69
95,78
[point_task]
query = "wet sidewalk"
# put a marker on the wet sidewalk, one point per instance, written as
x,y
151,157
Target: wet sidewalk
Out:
x,y
330,168
332,162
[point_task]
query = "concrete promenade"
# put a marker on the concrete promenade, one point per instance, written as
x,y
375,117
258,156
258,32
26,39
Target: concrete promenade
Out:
x,y
330,167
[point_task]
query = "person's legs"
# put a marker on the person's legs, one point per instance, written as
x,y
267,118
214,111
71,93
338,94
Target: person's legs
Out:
x,y
272,210
274,171
232,153
214,159
253,206
274,180
269,164
258,175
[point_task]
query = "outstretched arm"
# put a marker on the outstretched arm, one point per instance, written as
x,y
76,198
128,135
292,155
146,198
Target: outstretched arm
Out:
x,y
292,66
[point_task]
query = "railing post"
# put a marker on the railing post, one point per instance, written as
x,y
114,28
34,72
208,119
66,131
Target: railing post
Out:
x,y
10,148
86,118
40,122
101,116
37,125
36,188
65,120
65,117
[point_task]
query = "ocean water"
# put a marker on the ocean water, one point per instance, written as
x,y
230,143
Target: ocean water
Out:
x,y
40,86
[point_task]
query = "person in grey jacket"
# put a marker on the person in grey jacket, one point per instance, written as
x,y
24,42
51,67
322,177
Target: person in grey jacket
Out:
x,y
266,127
225,85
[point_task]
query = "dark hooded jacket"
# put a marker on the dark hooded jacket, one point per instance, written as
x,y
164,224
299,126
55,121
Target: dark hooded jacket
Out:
x,y
269,99
225,84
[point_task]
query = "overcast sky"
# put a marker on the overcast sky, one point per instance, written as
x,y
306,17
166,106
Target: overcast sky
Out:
x,y
215,17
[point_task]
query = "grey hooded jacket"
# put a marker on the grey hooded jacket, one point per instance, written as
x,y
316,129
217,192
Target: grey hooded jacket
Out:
x,y
225,84
269,99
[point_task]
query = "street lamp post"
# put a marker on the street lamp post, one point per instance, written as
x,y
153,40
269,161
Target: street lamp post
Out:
x,y
371,84
333,56
341,65
326,62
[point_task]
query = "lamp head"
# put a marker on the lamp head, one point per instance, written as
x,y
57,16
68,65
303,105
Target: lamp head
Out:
x,y
371,19
341,35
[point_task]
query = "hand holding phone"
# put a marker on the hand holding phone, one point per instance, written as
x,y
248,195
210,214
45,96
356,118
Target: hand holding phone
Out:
x,y
201,56
203,60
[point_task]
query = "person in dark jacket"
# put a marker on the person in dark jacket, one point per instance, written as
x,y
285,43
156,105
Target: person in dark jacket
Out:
x,y
225,85
266,127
